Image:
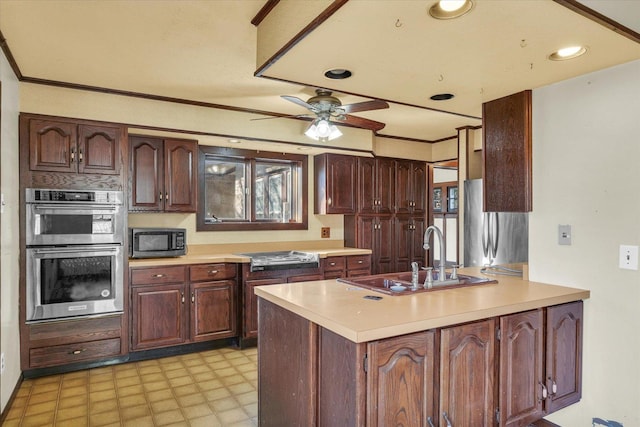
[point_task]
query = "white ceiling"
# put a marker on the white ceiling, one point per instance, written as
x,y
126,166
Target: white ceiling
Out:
x,y
205,51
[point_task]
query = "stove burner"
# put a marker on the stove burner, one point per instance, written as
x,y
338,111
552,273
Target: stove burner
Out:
x,y
282,260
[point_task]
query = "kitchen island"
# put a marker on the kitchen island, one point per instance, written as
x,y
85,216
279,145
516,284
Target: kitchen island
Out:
x,y
329,355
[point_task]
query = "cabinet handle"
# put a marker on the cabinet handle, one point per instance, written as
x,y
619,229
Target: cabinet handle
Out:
x,y
73,155
213,271
430,422
182,296
193,298
446,418
554,387
329,201
545,393
360,262
166,195
160,195
332,264
76,352
79,156
158,276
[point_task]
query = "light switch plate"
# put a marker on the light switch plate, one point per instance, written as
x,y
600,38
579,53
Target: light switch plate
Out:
x,y
628,257
564,234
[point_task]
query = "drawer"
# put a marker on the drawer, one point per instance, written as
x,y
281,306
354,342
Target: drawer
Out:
x,y
208,272
71,353
305,278
334,263
155,275
358,262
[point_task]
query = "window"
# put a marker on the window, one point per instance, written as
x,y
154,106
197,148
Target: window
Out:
x,y
251,190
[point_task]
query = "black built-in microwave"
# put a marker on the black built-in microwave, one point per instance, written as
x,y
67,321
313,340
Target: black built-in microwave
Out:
x,y
157,242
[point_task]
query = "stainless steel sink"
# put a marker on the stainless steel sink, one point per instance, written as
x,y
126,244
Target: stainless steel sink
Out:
x,y
400,283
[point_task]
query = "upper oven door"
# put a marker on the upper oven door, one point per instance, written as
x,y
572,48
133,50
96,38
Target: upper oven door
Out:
x,y
77,224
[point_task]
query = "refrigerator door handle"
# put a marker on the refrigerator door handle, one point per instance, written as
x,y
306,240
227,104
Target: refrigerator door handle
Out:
x,y
486,219
495,235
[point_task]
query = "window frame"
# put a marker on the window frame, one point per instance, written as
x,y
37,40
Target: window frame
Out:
x,y
302,160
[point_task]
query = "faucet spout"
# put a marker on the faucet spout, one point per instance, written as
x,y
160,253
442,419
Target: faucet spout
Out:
x,y
427,235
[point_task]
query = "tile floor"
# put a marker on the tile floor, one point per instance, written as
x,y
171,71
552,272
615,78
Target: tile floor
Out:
x,y
211,388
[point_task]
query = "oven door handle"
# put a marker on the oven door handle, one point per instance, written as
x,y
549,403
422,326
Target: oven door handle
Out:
x,y
75,250
101,208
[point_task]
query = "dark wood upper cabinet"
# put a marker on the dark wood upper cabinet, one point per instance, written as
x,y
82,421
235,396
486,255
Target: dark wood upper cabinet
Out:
x,y
506,153
376,182
411,185
335,184
66,146
163,174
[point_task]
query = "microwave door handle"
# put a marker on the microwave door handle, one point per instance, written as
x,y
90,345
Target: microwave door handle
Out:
x,y
101,208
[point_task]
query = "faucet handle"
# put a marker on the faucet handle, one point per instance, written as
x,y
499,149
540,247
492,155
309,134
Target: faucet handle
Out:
x,y
428,280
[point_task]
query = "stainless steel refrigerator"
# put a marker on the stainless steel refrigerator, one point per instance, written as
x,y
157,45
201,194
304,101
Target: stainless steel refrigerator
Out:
x,y
492,238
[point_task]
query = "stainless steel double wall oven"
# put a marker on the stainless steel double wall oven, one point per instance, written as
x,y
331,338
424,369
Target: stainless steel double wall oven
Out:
x,y
74,253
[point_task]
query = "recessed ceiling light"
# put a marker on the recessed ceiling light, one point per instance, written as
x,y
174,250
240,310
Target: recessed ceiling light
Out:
x,y
442,96
568,53
338,74
234,141
449,9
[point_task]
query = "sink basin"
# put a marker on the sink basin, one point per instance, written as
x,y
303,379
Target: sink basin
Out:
x,y
400,283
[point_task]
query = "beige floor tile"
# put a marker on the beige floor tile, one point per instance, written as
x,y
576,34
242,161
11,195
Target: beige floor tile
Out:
x,y
73,422
130,390
70,402
180,381
15,412
244,423
241,388
225,404
103,385
164,405
155,396
155,386
126,373
132,400
74,391
98,378
233,379
210,385
139,422
127,381
191,399
73,412
251,409
217,394
208,421
102,395
38,420
185,390
196,411
46,388
247,398
43,397
133,412
168,417
176,373
109,405
75,381
40,408
152,377
104,418
232,416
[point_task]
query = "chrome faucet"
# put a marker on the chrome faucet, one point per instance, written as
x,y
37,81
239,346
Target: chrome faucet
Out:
x,y
414,275
442,276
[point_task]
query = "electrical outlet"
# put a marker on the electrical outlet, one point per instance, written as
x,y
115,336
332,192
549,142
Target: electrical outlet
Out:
x,y
1,363
325,232
628,257
564,234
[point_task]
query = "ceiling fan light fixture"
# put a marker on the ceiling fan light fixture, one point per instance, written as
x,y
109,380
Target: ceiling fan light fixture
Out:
x,y
338,73
568,53
323,130
450,9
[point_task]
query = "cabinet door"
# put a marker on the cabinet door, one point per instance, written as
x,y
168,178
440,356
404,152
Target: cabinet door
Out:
x,y
400,386
384,247
250,305
99,149
564,355
521,368
419,187
367,187
506,126
417,241
213,310
52,146
146,174
467,374
386,185
335,184
158,316
180,175
403,243
403,190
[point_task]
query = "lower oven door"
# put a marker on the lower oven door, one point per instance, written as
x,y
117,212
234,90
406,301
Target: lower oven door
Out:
x,y
74,281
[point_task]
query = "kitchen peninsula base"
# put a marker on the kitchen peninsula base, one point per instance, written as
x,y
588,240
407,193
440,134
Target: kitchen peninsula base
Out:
x,y
321,365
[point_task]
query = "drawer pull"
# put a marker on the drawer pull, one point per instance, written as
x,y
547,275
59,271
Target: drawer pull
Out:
x,y
213,271
158,276
74,352
332,264
360,262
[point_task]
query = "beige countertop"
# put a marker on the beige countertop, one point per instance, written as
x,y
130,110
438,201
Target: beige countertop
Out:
x,y
212,254
342,309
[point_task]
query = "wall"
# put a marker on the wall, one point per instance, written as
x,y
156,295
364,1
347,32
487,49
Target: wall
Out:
x,y
9,330
586,173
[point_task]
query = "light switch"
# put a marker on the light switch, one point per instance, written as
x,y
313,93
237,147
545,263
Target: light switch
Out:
x,y
628,257
564,234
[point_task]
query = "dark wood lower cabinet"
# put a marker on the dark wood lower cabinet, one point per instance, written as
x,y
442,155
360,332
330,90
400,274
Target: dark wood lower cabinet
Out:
x,y
474,374
467,372
158,315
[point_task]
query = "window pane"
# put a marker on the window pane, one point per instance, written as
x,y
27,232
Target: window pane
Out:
x,y
274,198
225,183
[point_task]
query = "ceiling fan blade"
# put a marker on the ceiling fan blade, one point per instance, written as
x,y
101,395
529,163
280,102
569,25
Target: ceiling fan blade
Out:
x,y
364,106
360,122
298,101
296,116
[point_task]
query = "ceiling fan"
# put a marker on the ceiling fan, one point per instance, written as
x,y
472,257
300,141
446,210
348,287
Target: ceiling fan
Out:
x,y
328,107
